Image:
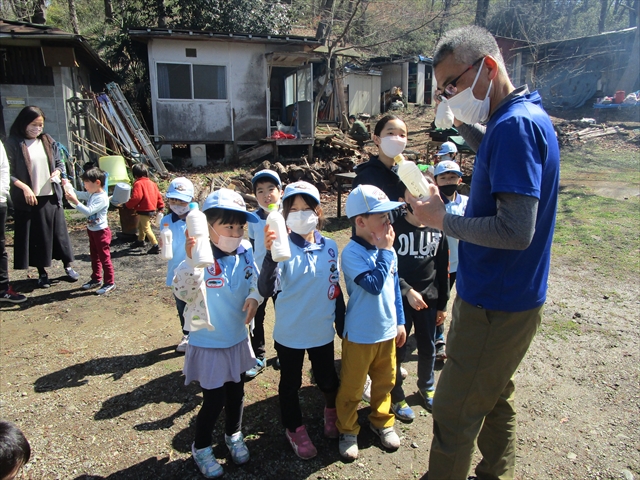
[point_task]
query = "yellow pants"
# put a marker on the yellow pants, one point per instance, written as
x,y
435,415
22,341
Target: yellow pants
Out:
x,y
144,229
379,361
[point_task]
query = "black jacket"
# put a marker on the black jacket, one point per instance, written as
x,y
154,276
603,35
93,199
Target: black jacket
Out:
x,y
374,172
20,168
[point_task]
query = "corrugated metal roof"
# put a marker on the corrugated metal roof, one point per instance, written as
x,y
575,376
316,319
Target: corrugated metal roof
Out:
x,y
185,34
10,29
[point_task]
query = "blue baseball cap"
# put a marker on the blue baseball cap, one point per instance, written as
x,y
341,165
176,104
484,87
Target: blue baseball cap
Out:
x,y
302,188
267,174
447,148
446,167
181,188
229,200
369,199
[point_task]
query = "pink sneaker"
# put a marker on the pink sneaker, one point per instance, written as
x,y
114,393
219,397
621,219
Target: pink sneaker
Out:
x,y
330,417
301,443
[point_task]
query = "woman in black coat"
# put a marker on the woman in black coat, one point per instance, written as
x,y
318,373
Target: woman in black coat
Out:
x,y
36,170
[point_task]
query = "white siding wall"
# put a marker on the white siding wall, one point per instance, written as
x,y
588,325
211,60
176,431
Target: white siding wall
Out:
x,y
240,117
364,93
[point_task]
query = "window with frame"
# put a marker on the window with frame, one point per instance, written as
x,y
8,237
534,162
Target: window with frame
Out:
x,y
189,81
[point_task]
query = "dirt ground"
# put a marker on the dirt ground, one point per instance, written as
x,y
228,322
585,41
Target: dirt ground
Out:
x,y
97,388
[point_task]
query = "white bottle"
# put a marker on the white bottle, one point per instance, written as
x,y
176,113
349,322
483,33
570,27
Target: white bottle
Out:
x,y
280,251
201,253
167,240
68,188
158,219
412,177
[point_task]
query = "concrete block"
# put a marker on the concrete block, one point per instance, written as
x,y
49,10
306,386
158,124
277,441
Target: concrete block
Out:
x,y
46,104
198,155
165,152
13,90
41,90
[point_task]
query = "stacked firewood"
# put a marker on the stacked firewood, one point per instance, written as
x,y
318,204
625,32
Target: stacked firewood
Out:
x,y
321,173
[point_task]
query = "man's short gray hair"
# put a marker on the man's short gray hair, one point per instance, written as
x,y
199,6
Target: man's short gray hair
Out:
x,y
468,44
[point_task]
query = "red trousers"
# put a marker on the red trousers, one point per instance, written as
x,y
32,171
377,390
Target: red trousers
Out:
x,y
101,255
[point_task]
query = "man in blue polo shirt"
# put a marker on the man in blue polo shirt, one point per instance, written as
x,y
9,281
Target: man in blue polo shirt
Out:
x,y
505,246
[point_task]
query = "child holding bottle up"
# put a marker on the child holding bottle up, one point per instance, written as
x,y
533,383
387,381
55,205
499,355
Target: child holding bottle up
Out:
x,y
221,300
307,305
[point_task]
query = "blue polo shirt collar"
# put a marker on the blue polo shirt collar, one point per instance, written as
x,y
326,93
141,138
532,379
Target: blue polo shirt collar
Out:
x,y
300,242
363,242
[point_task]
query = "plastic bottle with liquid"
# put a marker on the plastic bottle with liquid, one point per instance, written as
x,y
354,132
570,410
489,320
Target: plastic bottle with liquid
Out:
x,y
412,177
280,251
201,253
166,235
68,187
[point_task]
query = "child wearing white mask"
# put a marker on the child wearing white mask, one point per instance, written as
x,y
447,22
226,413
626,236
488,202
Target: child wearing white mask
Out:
x,y
179,195
390,136
308,304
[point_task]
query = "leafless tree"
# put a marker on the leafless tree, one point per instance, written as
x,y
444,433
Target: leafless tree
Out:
x,y
482,8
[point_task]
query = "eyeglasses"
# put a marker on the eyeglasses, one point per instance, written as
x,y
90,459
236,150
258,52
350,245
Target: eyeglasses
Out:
x,y
450,90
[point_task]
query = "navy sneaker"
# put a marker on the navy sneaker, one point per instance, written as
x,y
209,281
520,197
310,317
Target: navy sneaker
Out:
x,y
403,411
11,296
43,281
427,396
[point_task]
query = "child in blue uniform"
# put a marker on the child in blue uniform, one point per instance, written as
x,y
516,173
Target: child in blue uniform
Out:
x,y
268,190
448,176
306,308
423,258
179,195
221,300
374,323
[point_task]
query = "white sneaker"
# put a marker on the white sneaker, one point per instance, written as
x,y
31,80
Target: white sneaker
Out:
x,y
403,372
182,346
366,391
388,437
348,446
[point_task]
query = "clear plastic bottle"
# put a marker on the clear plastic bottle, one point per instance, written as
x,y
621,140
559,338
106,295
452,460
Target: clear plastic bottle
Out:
x,y
68,187
166,235
412,177
280,251
201,253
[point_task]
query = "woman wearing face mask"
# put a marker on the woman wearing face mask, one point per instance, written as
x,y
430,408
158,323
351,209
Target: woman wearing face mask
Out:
x,y
308,304
41,232
390,136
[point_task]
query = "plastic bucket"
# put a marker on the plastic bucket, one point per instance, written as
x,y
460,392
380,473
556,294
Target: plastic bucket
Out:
x,y
619,96
121,193
116,167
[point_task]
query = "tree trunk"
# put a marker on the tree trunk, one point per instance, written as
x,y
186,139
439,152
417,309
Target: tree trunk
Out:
x,y
108,11
162,22
39,16
482,8
604,8
73,16
630,75
634,14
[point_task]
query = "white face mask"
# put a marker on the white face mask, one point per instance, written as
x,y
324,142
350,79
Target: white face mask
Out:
x,y
303,222
226,244
179,210
467,108
444,115
33,132
393,145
